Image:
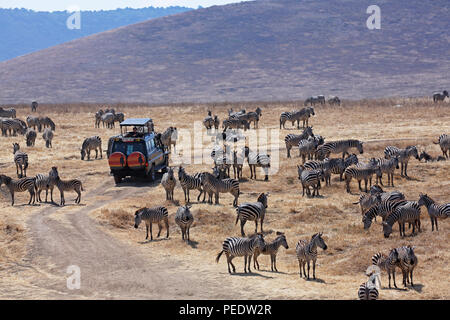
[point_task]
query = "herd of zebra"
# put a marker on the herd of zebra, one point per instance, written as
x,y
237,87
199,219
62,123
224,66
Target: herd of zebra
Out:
x,y
108,118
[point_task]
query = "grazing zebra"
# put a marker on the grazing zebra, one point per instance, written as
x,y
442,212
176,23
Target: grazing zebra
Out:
x,y
307,251
386,166
320,165
334,100
21,161
34,106
235,123
98,118
189,183
367,201
34,122
409,212
437,96
12,126
307,148
212,184
427,157
360,173
44,182
30,137
369,290
309,178
272,250
382,209
169,182
407,262
184,219
47,122
119,117
150,216
435,211
444,143
91,143
252,211
292,140
260,160
403,156
338,166
238,247
66,185
387,263
20,185
338,147
313,100
208,122
48,137
7,113
108,118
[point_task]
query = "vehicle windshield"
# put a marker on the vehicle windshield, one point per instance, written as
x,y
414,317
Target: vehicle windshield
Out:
x,y
128,148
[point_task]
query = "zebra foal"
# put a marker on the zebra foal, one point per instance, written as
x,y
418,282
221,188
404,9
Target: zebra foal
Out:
x,y
307,251
66,185
21,160
272,250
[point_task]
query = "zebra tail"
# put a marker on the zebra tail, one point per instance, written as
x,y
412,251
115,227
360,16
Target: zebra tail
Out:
x,y
219,255
355,202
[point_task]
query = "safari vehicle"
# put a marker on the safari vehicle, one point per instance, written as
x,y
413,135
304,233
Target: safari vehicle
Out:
x,y
137,151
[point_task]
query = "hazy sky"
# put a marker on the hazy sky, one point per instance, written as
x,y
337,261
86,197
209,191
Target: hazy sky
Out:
x,y
61,5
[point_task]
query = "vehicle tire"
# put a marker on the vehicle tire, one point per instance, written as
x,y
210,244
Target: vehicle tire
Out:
x,y
117,179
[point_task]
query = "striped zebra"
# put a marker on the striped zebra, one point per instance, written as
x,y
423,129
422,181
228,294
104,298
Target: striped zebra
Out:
x,y
189,183
307,251
184,219
307,148
34,122
409,212
98,118
30,136
119,117
383,209
208,122
292,140
387,166
166,137
403,156
387,262
47,122
320,165
91,143
8,113
444,143
34,106
296,115
437,96
48,137
12,126
254,117
369,290
66,185
223,159
44,182
234,123
107,110
435,211
338,147
232,113
360,173
260,160
19,185
310,178
238,247
108,118
252,211
338,166
169,182
212,184
150,216
368,200
407,262
334,100
305,115
272,250
21,160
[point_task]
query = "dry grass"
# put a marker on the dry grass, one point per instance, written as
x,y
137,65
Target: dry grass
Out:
x,y
340,268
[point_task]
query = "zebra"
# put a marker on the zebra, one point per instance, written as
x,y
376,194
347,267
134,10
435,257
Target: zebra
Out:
x,y
435,211
340,146
47,122
66,185
98,118
403,156
386,166
152,215
367,201
334,100
21,160
108,118
184,219
232,113
30,137
437,96
252,211
382,209
360,173
387,262
307,251
188,183
320,165
407,262
12,126
309,178
110,111
427,157
254,117
409,212
119,117
208,122
261,160
311,101
44,182
169,182
307,148
8,113
292,140
169,137
235,124
211,183
305,115
338,166
272,250
296,115
444,143
48,137
238,247
34,106
19,185
223,160
369,290
34,122
91,143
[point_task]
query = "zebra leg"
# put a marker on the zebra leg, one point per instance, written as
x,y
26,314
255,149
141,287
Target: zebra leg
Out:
x,y
159,229
12,197
359,184
411,276
255,260
198,198
249,263
63,202
406,167
151,231
232,265
256,225
245,264
78,199
308,269
242,227
275,262
436,222
304,269
314,269
146,228
166,222
300,267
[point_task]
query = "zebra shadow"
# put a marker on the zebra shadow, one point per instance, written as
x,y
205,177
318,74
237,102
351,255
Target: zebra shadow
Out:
x,y
417,287
250,274
318,280
413,179
192,244
396,289
273,272
154,240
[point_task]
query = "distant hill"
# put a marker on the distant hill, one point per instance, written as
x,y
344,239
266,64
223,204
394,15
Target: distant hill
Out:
x,y
256,50
23,31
